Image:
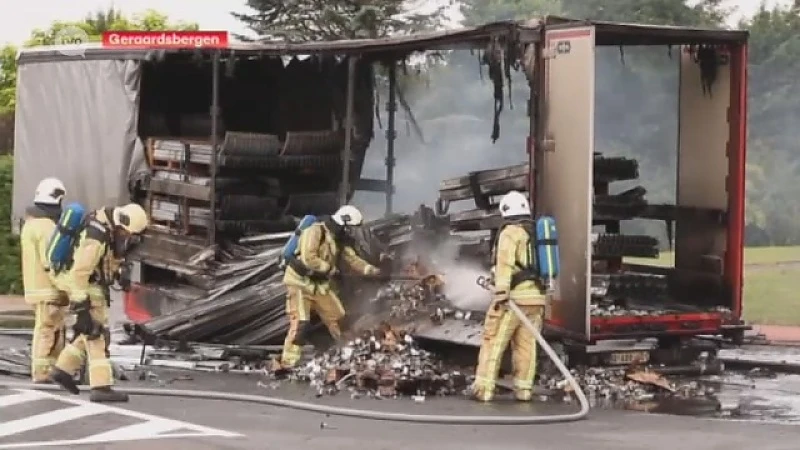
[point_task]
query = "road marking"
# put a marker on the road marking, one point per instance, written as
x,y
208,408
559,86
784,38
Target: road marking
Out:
x,y
47,419
15,399
151,427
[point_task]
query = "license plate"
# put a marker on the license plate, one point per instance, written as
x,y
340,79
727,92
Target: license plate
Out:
x,y
618,358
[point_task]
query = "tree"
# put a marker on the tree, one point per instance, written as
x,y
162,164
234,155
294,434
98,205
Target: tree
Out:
x,y
316,20
477,12
94,25
8,79
661,12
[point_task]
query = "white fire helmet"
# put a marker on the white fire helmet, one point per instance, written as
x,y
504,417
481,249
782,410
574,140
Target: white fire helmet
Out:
x,y
50,191
348,215
514,204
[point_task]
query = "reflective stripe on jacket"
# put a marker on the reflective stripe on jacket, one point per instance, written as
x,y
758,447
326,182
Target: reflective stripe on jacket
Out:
x,y
512,254
40,223
319,252
92,255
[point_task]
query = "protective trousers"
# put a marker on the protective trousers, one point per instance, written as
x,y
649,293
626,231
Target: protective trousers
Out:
x,y
48,337
501,328
71,358
299,306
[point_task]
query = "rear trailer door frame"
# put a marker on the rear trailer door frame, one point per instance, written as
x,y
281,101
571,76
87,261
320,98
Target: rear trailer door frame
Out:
x,y
565,174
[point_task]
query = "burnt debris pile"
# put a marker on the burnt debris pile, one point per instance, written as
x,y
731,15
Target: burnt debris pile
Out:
x,y
246,306
618,386
239,297
385,363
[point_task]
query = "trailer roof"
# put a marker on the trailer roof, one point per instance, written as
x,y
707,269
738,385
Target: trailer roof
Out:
x,y
621,33
607,33
438,40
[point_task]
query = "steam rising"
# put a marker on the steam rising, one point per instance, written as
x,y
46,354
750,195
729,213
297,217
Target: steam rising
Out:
x,y
461,287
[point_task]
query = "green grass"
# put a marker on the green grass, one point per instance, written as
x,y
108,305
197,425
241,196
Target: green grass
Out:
x,y
772,296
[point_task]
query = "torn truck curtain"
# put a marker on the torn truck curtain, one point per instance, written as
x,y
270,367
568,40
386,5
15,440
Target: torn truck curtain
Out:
x,y
77,120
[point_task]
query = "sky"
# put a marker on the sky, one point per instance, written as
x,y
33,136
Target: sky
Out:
x,y
17,22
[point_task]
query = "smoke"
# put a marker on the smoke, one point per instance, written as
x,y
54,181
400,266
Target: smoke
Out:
x,y
461,287
460,276
453,105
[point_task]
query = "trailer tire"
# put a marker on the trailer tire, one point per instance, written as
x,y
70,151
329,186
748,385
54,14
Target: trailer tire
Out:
x,y
301,162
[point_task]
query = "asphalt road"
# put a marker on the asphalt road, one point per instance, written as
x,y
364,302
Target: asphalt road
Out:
x,y
171,423
42,420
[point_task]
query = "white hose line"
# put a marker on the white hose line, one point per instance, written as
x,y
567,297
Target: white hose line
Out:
x,y
363,413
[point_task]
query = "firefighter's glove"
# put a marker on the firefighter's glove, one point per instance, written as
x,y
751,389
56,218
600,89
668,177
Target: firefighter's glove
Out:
x,y
378,274
334,273
123,277
84,323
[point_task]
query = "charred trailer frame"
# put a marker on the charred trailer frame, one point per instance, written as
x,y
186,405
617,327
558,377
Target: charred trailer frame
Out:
x,y
709,214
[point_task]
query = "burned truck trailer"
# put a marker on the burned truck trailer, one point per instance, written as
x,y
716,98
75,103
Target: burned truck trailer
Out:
x,y
282,150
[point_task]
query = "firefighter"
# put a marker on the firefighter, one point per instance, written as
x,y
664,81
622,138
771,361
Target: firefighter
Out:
x,y
108,235
514,279
322,246
40,289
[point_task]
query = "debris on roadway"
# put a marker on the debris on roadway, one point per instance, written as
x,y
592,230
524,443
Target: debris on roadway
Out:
x,y
383,363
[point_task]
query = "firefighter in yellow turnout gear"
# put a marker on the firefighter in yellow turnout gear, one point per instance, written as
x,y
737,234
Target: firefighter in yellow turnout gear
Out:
x,y
108,235
40,289
308,279
513,280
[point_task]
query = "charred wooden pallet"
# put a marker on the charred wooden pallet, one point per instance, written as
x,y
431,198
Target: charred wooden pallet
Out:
x,y
483,184
485,176
608,170
488,188
475,220
625,205
619,245
171,151
165,250
180,188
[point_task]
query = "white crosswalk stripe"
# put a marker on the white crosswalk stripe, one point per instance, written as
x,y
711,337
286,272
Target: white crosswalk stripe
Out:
x,y
148,427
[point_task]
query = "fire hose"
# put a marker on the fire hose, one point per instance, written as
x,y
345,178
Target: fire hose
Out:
x,y
372,414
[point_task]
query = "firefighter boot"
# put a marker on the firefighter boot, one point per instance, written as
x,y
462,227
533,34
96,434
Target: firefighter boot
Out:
x,y
482,393
107,395
523,395
65,380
